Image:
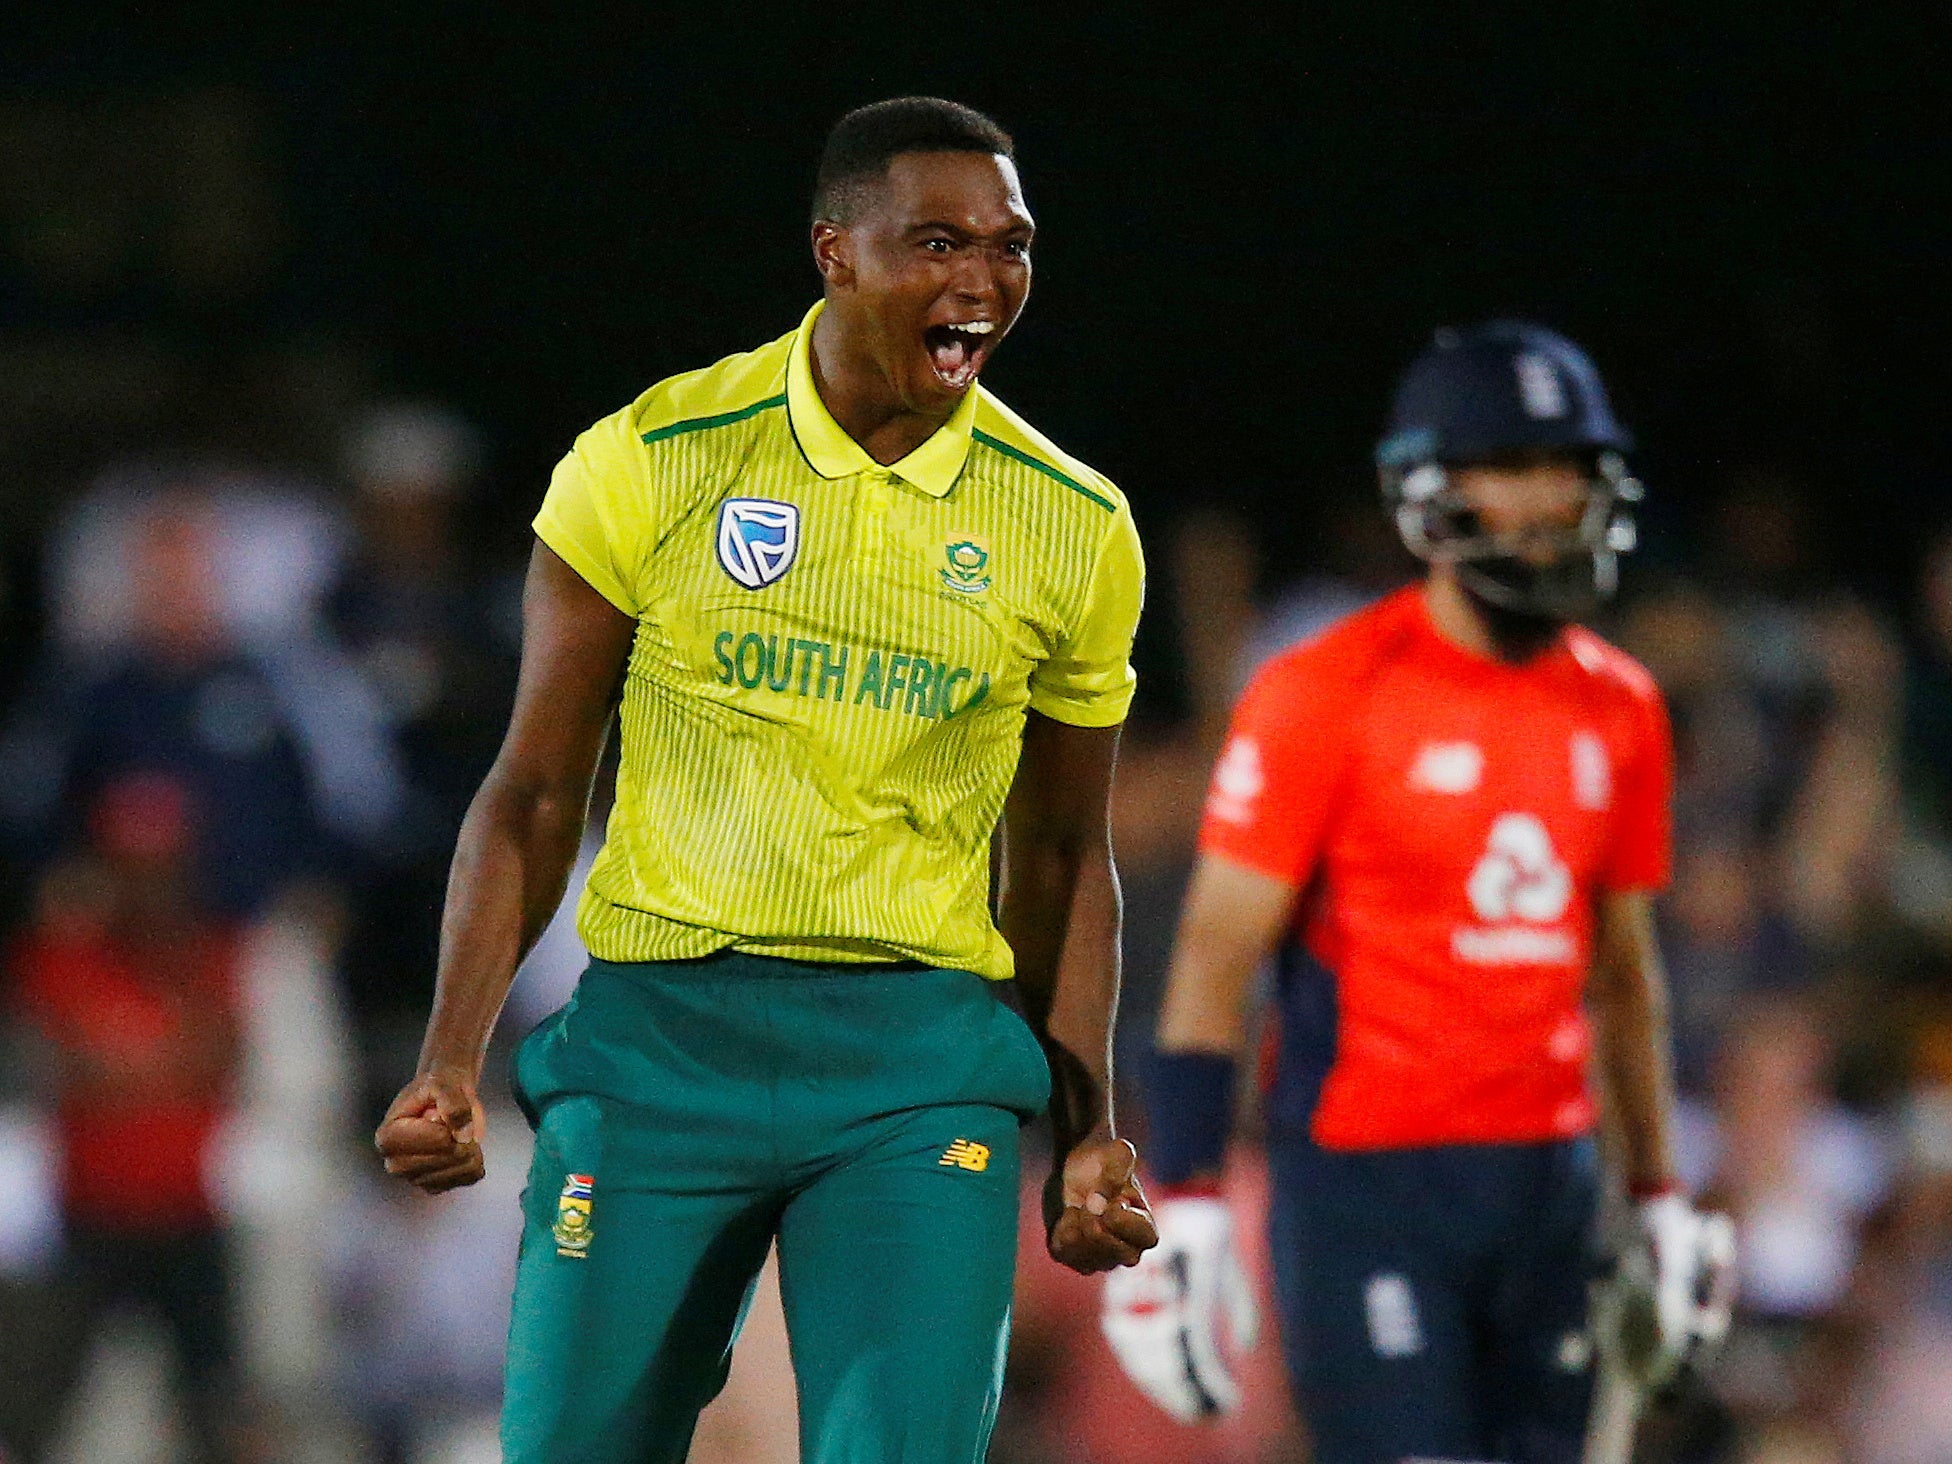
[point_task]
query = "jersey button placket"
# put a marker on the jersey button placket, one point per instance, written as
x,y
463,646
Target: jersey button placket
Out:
x,y
871,500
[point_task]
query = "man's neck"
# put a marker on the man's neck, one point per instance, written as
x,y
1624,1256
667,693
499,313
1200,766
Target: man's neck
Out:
x,y
860,400
1471,625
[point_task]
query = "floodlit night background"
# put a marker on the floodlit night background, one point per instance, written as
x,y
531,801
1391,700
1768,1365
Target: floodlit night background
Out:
x,y
298,310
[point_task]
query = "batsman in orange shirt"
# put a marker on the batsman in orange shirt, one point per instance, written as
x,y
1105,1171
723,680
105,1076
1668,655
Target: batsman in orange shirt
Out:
x,y
1446,819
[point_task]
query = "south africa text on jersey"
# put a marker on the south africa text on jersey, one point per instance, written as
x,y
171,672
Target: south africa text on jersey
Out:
x,y
886,680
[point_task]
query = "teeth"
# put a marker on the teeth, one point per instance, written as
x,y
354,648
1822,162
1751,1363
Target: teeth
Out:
x,y
974,327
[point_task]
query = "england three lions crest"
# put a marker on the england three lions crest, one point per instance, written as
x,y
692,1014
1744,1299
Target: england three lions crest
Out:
x,y
757,539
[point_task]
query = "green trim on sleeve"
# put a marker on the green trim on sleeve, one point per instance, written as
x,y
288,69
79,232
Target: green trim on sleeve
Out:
x,y
1043,467
722,419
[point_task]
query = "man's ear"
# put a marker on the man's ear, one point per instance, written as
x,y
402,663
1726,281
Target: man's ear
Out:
x,y
833,253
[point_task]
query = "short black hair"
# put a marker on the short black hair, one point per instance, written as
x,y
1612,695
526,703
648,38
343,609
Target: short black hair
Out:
x,y
868,139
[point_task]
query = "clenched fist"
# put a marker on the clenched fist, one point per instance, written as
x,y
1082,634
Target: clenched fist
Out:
x,y
431,1136
1095,1218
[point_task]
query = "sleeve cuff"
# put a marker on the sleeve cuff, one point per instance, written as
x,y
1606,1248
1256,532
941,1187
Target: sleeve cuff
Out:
x,y
587,565
1105,709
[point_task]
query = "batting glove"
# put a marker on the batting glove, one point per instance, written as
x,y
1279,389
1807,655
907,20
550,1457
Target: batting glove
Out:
x,y
1674,1293
1162,1317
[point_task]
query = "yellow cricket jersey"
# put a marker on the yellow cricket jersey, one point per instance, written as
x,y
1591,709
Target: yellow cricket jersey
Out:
x,y
826,693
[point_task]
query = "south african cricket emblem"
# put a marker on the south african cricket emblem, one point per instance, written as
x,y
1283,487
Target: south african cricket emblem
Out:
x,y
967,570
572,1228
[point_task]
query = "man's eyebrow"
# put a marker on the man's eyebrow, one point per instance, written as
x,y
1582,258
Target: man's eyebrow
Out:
x,y
1015,226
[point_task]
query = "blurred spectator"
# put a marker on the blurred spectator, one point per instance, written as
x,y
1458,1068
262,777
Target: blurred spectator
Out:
x,y
1842,823
421,1288
1739,740
1760,564
275,547
1899,1410
1163,768
1785,726
434,637
1922,875
1737,652
1363,561
1799,1173
1928,691
406,604
132,983
289,767
1725,946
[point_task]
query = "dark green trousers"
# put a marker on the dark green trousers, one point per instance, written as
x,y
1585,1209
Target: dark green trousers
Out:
x,y
689,1114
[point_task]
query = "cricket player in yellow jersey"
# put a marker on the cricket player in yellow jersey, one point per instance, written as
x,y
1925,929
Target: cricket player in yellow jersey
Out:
x,y
856,611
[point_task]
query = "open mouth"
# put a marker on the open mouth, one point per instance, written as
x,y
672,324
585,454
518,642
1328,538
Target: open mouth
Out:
x,y
957,352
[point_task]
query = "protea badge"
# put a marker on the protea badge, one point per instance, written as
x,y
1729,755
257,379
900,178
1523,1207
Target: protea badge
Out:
x,y
968,565
572,1228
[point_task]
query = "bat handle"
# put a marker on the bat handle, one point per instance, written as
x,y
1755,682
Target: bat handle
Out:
x,y
1615,1419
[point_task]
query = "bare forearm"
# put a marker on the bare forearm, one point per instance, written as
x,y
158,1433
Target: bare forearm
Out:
x,y
1204,1008
1229,923
1061,916
1629,1008
511,864
1231,918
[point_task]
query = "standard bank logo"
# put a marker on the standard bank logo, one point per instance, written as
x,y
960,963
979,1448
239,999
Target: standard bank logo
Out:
x,y
757,539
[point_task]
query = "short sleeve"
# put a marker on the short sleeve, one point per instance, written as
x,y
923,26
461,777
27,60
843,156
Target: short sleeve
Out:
x,y
1640,849
1089,680
591,516
1281,770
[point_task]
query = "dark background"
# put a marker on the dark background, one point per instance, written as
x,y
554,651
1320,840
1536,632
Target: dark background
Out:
x,y
1249,221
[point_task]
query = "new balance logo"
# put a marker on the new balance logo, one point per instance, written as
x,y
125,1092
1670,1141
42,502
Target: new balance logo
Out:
x,y
966,1154
1448,767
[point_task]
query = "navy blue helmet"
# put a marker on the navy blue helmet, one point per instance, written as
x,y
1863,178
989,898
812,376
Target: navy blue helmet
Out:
x,y
1494,391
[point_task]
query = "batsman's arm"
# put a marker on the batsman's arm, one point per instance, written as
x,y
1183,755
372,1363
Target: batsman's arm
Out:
x,y
1627,997
1232,919
511,863
1163,1320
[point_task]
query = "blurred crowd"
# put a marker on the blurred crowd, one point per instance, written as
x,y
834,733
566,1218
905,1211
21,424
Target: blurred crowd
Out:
x,y
229,784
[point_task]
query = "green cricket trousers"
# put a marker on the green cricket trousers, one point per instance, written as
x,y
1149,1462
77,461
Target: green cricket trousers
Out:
x,y
690,1113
